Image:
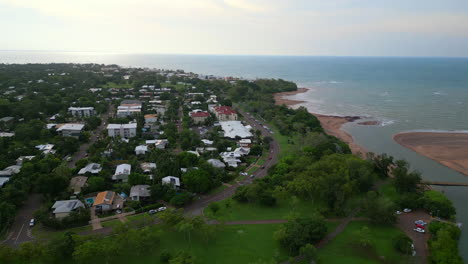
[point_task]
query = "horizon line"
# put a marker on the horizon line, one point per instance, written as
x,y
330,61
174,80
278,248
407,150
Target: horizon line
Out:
x,y
241,55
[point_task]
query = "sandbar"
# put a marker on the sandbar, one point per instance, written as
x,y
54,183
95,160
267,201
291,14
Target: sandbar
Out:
x,y
449,149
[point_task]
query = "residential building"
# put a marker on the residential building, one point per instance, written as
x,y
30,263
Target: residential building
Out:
x,y
151,118
92,168
199,117
107,201
174,181
129,108
140,192
233,129
10,171
7,134
81,111
141,150
3,181
147,167
225,113
70,129
77,183
246,142
161,143
122,130
22,159
46,148
64,208
121,172
217,163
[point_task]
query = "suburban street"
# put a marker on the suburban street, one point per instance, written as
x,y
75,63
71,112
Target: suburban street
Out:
x,y
20,231
196,208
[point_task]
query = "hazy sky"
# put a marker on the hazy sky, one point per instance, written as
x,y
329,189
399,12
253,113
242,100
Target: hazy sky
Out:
x,y
264,27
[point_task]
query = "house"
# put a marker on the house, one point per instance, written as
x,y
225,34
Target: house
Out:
x,y
3,181
7,119
77,183
64,208
46,148
174,181
246,142
161,143
70,129
207,142
225,113
92,168
122,130
242,151
121,172
217,163
139,192
107,201
7,134
233,129
199,117
151,118
147,167
81,111
22,159
10,171
141,150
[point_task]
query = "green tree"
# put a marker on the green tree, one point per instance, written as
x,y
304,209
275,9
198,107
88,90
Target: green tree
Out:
x,y
197,181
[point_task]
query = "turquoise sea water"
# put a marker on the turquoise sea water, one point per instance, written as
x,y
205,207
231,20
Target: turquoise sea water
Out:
x,y
404,93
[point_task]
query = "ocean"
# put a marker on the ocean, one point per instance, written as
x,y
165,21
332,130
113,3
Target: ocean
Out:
x,y
405,94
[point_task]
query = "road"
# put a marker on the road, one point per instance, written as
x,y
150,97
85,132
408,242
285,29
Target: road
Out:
x,y
196,208
81,153
20,231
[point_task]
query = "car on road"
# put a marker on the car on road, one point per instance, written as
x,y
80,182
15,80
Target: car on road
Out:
x,y
32,222
419,230
270,157
263,167
398,212
160,209
252,176
420,226
407,210
420,222
152,211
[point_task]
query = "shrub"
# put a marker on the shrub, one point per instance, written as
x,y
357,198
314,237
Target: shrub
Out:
x,y
402,243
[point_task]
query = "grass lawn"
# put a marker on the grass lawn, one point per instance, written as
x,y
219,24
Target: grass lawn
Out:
x,y
217,189
252,170
42,233
261,161
115,85
342,250
233,244
251,211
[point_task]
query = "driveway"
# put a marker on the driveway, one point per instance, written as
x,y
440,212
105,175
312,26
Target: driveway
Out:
x,y
20,231
406,223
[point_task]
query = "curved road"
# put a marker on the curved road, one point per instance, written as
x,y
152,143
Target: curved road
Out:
x,y
196,208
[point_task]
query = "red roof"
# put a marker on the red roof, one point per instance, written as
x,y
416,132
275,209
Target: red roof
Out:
x,y
199,114
226,110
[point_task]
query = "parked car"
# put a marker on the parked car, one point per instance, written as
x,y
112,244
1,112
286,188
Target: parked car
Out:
x,y
420,222
398,212
32,222
407,210
252,176
160,209
152,211
420,226
263,167
419,230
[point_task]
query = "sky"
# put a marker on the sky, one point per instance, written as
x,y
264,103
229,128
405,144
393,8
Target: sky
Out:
x,y
244,27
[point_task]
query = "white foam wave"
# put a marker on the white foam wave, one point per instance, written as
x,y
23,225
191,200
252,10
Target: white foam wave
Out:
x,y
384,94
439,93
436,131
387,123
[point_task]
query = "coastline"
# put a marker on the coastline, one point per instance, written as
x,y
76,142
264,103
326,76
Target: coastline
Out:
x,y
447,148
331,124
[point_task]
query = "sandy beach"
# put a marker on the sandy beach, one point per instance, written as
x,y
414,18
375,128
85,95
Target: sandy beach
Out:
x,y
449,149
331,124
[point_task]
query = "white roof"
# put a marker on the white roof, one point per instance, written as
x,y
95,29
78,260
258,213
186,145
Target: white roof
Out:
x,y
75,127
216,163
194,152
4,180
207,142
66,206
141,148
91,167
171,180
147,166
6,134
152,141
80,108
233,129
123,169
245,141
118,126
10,170
140,191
